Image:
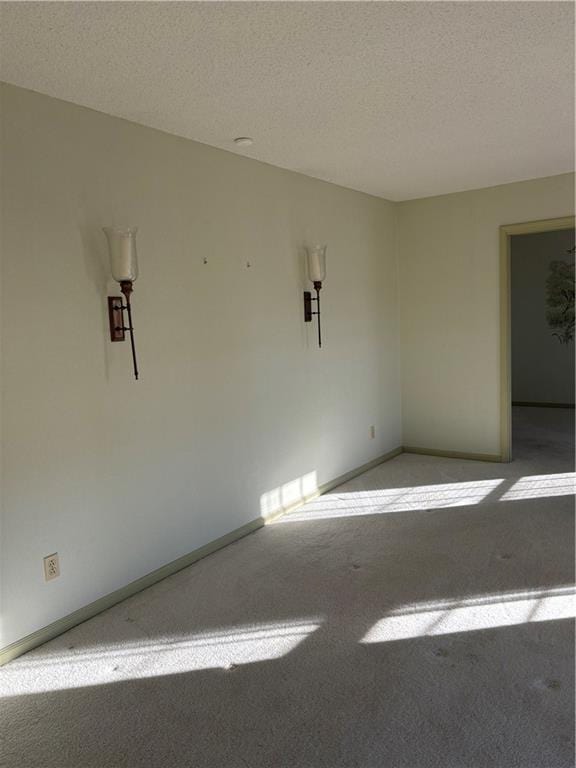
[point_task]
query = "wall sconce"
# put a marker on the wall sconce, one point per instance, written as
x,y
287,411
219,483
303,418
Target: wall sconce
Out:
x,y
316,260
124,265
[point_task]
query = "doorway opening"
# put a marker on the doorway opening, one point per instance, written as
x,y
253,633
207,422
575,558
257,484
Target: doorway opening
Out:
x,y
537,345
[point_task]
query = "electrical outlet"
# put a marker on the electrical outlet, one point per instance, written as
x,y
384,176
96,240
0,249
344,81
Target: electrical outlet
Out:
x,y
372,432
51,567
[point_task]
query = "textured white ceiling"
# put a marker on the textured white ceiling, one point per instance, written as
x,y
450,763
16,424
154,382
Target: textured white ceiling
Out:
x,y
399,99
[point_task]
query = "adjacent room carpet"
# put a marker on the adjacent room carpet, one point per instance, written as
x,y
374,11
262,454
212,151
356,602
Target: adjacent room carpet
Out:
x,y
416,617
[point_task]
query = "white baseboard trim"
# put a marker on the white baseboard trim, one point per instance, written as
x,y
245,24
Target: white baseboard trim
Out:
x,y
452,454
43,635
521,404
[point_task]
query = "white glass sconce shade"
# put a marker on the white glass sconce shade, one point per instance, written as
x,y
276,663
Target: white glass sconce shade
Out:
x,y
122,247
316,261
316,257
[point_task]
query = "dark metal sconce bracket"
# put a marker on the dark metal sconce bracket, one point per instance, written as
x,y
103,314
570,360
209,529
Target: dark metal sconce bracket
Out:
x,y
308,313
116,317
308,299
116,308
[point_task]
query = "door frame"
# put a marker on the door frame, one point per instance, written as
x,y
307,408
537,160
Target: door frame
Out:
x,y
507,231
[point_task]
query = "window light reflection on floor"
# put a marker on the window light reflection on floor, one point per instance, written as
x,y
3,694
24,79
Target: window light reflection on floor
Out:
x,y
492,611
539,486
424,497
138,659
416,498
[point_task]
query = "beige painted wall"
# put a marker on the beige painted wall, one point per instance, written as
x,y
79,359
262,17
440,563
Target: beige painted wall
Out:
x,y
235,399
542,367
236,404
449,298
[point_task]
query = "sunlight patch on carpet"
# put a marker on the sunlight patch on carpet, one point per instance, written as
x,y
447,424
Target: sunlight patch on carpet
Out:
x,y
541,486
46,670
417,498
468,615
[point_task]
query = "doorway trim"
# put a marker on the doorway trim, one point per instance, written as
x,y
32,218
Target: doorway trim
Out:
x,y
507,231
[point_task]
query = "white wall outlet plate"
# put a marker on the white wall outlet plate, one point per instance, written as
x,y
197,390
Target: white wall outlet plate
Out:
x,y
51,567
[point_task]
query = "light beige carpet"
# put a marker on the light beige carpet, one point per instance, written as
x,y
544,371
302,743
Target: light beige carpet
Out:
x,y
417,616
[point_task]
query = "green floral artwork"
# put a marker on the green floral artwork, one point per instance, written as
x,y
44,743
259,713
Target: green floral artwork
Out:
x,y
560,299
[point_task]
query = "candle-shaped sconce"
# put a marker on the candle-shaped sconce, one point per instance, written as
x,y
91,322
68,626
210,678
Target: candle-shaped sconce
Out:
x,y
316,262
124,267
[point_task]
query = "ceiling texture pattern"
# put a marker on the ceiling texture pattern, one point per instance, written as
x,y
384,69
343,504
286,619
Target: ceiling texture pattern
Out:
x,y
397,99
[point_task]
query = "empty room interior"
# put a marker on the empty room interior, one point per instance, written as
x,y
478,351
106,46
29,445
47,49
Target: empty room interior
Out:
x,y
287,384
